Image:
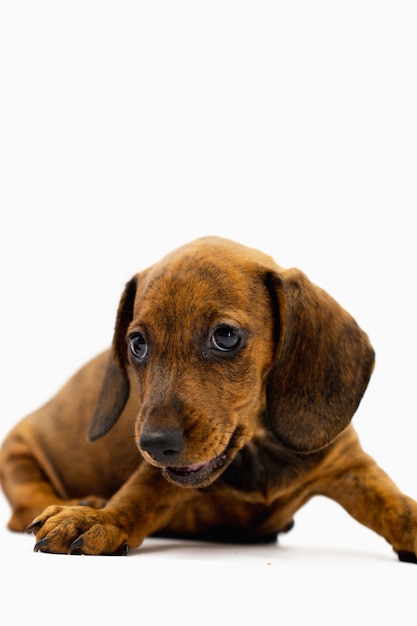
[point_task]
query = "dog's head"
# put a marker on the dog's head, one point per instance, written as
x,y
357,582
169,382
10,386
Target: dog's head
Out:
x,y
223,342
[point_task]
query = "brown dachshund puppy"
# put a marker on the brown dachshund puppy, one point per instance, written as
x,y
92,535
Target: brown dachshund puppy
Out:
x,y
223,406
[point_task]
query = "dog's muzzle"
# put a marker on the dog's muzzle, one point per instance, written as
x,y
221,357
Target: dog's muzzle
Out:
x,y
166,447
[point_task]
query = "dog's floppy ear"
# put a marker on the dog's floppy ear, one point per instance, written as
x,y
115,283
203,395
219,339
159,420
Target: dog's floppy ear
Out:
x,y
322,365
115,388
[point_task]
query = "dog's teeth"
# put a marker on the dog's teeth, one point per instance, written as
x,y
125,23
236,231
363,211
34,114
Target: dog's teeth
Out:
x,y
194,468
189,469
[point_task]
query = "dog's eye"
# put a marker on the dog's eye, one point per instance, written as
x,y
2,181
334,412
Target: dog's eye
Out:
x,y
138,346
226,338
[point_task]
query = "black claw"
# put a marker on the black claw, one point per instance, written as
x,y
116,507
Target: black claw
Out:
x,y
407,557
76,546
40,545
33,527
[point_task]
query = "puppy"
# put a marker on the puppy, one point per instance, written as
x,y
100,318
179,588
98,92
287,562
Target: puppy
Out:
x,y
223,406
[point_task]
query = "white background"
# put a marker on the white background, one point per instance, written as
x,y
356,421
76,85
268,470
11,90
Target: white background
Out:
x,y
129,128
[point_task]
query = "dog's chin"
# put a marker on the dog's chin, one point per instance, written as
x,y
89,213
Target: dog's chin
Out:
x,y
198,474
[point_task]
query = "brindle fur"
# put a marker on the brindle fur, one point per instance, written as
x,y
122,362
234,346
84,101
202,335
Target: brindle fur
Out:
x,y
111,459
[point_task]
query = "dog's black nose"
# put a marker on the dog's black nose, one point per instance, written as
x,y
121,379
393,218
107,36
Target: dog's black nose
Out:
x,y
164,446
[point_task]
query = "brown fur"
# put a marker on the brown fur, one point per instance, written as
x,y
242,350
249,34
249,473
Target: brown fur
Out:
x,y
190,440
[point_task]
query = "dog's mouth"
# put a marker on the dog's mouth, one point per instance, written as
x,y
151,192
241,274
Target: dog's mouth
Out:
x,y
197,474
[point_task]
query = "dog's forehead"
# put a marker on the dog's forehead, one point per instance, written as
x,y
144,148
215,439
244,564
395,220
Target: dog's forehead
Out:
x,y
216,258
210,274
220,251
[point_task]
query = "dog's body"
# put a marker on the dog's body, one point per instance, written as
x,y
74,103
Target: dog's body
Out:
x,y
223,406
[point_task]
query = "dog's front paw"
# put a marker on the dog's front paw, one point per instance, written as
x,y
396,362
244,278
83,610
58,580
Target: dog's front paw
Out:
x,y
78,530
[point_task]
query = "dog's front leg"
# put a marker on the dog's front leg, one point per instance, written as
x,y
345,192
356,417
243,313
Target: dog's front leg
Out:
x,y
372,498
141,507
